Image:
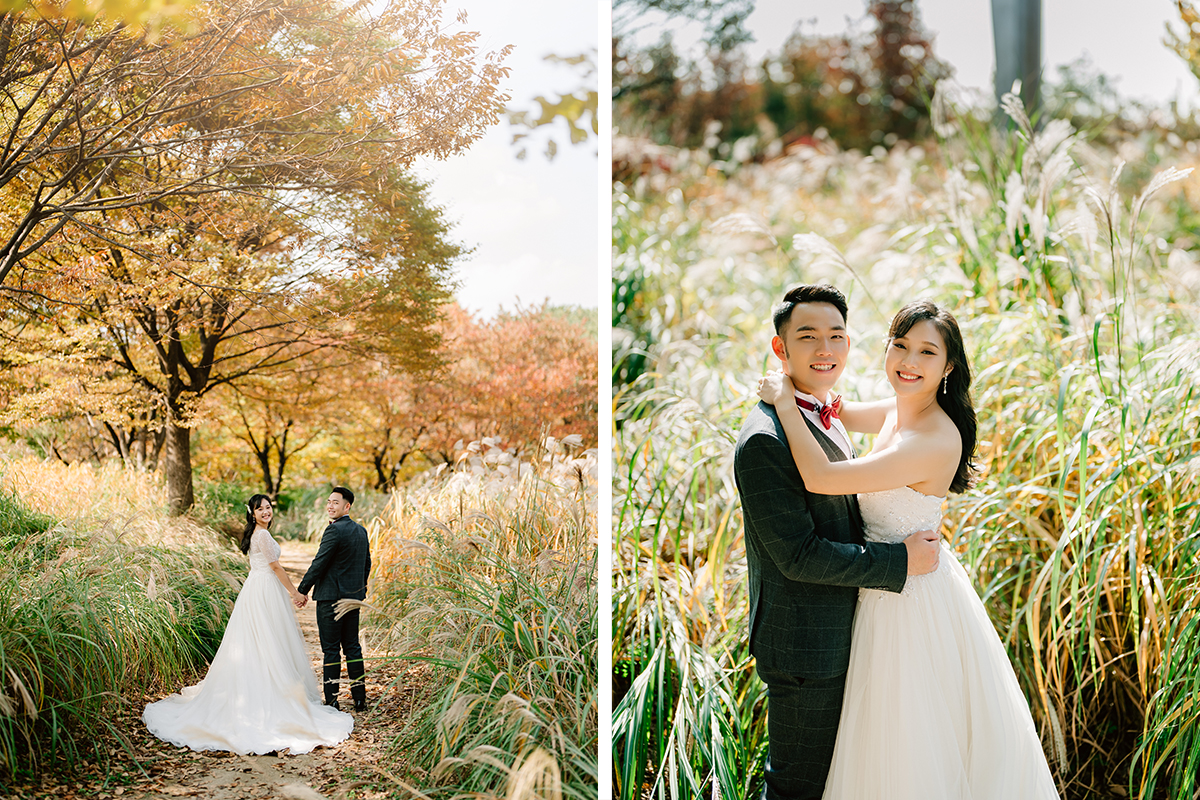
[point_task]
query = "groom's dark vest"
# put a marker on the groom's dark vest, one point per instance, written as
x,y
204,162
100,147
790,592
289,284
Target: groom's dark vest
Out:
x,y
342,563
805,553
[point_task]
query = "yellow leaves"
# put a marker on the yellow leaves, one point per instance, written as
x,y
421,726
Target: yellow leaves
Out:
x,y
1187,42
571,108
146,17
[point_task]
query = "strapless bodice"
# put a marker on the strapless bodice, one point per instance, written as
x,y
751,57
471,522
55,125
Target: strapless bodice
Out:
x,y
893,514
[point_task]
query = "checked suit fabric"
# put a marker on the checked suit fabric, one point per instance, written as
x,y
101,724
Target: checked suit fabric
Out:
x,y
806,561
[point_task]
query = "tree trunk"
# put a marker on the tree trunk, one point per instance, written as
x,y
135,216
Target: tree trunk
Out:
x,y
380,478
264,464
177,468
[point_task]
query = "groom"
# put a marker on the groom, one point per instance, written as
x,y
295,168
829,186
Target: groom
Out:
x,y
339,571
806,554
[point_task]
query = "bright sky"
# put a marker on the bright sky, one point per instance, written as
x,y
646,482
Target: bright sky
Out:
x,y
533,222
1123,38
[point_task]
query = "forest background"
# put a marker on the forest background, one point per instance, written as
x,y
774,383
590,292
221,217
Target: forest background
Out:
x,y
220,275
303,329
1064,239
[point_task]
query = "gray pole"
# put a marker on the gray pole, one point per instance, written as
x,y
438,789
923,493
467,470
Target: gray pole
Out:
x,y
1017,30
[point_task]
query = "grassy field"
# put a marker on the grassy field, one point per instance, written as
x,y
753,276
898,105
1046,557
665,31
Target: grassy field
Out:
x,y
1070,269
101,595
487,571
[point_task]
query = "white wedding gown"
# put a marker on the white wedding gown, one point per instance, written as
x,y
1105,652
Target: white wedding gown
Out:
x,y
932,709
260,693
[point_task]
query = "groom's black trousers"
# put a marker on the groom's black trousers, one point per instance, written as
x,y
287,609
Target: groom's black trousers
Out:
x,y
802,723
340,636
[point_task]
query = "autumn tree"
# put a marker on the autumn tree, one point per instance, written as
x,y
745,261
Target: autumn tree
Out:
x,y
523,373
147,17
723,20
402,421
868,86
225,203
259,97
519,376
276,417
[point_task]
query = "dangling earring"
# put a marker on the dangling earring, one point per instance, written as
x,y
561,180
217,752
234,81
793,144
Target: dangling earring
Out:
x,y
945,380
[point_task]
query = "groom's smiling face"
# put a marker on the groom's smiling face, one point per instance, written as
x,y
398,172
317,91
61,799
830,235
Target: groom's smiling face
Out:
x,y
813,345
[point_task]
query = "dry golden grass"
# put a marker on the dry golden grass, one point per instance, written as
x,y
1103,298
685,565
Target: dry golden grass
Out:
x,y
487,571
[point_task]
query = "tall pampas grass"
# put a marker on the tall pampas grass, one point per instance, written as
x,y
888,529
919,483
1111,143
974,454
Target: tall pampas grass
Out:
x,y
487,572
112,602
1082,533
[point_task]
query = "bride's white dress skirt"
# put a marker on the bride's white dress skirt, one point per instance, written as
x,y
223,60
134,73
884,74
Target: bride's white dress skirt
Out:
x,y
932,708
260,694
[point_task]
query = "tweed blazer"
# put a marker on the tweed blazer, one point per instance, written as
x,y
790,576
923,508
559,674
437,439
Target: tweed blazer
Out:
x,y
806,555
342,563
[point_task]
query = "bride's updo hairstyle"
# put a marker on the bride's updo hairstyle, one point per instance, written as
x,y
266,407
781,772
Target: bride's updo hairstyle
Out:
x,y
252,505
956,401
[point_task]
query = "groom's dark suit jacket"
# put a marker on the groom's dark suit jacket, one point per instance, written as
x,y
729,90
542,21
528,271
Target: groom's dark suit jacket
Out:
x,y
806,555
342,563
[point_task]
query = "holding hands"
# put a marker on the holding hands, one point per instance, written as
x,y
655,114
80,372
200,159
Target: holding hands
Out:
x,y
299,600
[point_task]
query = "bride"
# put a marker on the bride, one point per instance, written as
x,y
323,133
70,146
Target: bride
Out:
x,y
260,694
932,708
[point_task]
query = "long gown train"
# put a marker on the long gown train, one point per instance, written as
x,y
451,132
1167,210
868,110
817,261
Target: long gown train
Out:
x,y
260,693
932,707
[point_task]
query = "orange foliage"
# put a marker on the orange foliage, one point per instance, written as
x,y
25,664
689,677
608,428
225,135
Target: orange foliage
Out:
x,y
214,206
518,377
523,373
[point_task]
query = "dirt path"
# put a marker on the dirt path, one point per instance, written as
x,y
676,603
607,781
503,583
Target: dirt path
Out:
x,y
351,769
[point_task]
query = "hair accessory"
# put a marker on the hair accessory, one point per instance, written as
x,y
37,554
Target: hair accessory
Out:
x,y
945,380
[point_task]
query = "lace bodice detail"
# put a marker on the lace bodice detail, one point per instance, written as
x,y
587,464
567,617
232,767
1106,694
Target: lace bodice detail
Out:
x,y
893,514
263,550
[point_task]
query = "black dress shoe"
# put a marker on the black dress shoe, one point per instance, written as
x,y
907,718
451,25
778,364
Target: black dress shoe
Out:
x,y
333,704
360,705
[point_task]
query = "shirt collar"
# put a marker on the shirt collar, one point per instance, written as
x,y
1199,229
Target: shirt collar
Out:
x,y
807,397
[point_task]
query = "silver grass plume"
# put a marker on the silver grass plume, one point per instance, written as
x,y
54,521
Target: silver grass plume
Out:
x,y
1166,177
940,110
1012,105
959,192
742,224
822,249
1014,203
1107,206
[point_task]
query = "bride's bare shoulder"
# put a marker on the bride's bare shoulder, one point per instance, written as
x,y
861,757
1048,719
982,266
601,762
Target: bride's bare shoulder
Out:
x,y
939,427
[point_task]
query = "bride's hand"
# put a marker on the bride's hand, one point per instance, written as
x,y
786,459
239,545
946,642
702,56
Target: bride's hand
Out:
x,y
774,386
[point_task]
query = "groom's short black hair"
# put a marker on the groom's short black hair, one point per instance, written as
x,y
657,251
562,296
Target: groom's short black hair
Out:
x,y
808,293
346,494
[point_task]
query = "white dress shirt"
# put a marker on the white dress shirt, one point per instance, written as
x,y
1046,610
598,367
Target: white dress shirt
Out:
x,y
837,433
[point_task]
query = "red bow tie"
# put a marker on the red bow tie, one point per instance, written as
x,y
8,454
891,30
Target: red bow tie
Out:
x,y
828,412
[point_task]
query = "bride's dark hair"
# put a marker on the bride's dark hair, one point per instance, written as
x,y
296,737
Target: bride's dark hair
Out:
x,y
252,505
956,401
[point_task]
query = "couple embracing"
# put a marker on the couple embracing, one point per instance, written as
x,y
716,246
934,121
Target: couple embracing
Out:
x,y
260,694
885,677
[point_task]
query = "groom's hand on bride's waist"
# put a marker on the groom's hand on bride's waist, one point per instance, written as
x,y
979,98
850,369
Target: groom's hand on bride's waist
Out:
x,y
923,547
